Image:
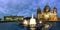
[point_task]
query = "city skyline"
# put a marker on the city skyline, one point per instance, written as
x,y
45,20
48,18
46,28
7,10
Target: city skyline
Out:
x,y
29,14
25,7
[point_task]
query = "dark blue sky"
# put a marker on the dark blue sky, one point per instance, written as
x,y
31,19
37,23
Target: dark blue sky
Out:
x,y
25,7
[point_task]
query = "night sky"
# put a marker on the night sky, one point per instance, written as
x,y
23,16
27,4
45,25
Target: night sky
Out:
x,y
25,7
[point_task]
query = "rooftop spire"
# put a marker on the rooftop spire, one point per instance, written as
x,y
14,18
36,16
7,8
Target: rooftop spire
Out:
x,y
32,15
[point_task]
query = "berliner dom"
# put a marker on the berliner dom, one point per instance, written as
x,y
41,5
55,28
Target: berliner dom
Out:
x,y
47,14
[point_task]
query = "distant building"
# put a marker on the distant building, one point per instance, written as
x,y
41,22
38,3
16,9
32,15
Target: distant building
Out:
x,y
13,18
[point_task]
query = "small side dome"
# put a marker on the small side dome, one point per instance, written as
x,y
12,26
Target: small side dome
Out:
x,y
54,9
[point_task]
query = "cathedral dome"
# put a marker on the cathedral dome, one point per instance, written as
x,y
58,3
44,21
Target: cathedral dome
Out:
x,y
47,7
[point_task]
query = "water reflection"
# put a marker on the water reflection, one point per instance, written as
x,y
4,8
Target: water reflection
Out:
x,y
20,26
41,26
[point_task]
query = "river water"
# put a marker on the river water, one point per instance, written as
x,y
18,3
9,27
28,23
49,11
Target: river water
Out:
x,y
16,26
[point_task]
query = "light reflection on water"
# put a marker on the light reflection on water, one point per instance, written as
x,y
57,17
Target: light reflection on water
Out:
x,y
55,26
15,26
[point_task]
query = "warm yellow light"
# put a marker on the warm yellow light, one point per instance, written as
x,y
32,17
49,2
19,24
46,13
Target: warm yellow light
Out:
x,y
40,22
47,25
47,16
25,22
32,28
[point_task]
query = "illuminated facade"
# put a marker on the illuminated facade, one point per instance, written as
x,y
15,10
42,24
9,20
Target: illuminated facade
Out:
x,y
47,14
39,13
55,13
13,18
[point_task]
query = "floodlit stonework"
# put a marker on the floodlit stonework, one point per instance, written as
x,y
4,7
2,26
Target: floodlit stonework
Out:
x,y
47,14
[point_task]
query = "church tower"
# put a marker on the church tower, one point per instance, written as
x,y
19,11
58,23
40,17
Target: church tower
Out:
x,y
55,10
38,13
55,13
